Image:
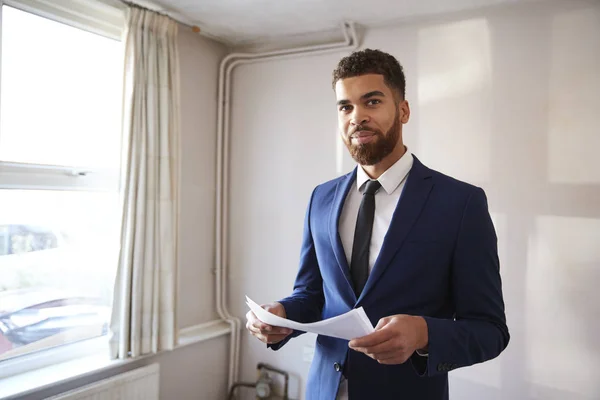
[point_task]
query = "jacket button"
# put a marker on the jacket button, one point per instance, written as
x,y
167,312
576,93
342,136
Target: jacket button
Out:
x,y
337,367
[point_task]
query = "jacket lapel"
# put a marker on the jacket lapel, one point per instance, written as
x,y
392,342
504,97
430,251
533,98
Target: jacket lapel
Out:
x,y
410,204
341,192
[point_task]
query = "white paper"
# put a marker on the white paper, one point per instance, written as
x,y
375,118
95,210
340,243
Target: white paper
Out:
x,y
351,325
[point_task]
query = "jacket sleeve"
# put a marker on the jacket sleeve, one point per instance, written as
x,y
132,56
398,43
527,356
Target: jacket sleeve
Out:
x,y
305,304
478,332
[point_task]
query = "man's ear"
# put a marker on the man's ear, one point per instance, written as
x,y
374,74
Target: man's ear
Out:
x,y
404,111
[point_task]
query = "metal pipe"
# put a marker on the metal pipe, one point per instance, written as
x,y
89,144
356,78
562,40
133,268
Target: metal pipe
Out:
x,y
239,384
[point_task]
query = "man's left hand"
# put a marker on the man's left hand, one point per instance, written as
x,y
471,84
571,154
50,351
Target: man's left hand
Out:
x,y
395,339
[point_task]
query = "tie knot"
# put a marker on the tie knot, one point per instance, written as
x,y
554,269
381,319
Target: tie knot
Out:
x,y
372,187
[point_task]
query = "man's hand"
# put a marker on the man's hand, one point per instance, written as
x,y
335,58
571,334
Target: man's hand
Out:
x,y
267,333
395,339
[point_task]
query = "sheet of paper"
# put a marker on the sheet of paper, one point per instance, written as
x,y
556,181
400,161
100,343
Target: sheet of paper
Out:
x,y
351,325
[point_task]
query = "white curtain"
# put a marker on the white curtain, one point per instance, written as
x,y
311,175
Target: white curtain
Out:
x,y
143,319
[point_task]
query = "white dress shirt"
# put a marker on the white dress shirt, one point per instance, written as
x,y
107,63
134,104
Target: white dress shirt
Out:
x,y
386,198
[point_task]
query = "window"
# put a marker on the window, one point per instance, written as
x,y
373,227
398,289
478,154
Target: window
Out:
x,y
60,158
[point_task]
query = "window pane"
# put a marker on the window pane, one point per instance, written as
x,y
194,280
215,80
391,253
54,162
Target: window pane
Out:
x,y
61,93
58,260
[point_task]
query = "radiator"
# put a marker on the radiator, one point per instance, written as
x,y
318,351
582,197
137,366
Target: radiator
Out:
x,y
139,384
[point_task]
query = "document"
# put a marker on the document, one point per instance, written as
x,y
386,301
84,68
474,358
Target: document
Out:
x,y
351,325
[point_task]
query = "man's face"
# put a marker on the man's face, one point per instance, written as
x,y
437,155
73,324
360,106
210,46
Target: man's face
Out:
x,y
370,118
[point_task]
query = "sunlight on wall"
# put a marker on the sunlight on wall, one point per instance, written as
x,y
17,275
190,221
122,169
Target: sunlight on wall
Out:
x,y
574,108
454,88
562,304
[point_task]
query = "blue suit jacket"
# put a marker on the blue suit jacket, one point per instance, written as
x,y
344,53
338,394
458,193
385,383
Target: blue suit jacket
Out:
x,y
439,260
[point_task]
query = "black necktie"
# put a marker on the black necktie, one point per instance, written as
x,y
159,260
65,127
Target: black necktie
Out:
x,y
359,264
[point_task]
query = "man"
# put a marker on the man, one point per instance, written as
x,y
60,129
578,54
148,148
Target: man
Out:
x,y
415,248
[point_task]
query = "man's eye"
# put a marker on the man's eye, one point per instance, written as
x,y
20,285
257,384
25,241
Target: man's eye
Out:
x,y
373,102
345,108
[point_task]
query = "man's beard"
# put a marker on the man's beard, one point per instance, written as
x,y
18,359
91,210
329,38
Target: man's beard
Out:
x,y
375,151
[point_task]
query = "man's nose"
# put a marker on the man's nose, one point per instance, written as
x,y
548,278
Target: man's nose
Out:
x,y
359,117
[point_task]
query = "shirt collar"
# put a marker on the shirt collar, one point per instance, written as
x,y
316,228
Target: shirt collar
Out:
x,y
392,177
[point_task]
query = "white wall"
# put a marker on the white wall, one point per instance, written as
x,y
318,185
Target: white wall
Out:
x,y
506,98
197,371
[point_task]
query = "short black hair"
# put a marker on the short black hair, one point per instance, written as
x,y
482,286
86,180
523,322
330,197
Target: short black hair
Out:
x,y
370,61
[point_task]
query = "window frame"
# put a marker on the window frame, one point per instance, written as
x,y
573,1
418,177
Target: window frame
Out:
x,y
108,20
97,16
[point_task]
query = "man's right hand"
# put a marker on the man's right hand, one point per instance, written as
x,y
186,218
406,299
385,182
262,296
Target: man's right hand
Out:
x,y
267,333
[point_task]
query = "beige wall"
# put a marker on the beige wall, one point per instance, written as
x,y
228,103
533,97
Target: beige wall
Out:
x,y
506,98
197,371
200,60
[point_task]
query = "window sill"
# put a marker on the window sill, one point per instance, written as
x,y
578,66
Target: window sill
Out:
x,y
39,379
42,378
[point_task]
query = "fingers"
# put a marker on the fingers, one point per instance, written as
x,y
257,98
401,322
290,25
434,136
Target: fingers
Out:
x,y
389,352
265,329
371,339
264,332
389,344
388,357
381,348
271,339
392,344
394,360
266,337
382,357
383,322
275,330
